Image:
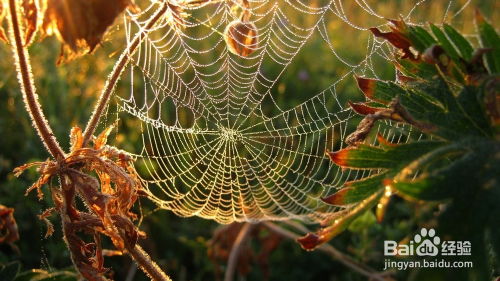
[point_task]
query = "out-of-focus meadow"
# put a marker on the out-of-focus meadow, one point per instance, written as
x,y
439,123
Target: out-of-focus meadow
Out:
x,y
182,245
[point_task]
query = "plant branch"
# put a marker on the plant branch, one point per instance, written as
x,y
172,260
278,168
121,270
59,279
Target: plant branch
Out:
x,y
27,84
117,71
146,264
235,251
334,253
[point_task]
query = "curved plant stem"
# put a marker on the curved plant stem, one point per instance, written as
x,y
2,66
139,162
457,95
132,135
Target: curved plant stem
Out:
x,y
334,253
117,71
27,84
146,264
235,251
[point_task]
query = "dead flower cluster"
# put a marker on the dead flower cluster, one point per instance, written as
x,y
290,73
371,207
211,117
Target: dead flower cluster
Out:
x,y
108,197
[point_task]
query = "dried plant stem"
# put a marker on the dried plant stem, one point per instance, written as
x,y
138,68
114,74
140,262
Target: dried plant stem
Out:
x,y
27,84
44,130
334,253
235,251
146,264
117,72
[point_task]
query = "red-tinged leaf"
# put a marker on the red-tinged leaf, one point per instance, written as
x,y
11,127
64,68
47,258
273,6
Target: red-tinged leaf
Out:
x,y
363,109
383,141
363,156
310,241
403,78
367,86
338,197
337,224
340,157
398,40
399,25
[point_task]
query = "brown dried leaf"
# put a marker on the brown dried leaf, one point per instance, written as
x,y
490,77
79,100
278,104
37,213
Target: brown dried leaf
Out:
x,y
8,225
102,139
398,39
241,38
3,12
76,138
108,199
44,217
31,12
81,24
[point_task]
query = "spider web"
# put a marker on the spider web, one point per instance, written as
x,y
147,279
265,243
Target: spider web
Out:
x,y
218,140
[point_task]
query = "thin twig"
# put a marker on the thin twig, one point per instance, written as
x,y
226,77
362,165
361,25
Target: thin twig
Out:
x,y
334,253
27,84
235,251
131,272
146,264
116,74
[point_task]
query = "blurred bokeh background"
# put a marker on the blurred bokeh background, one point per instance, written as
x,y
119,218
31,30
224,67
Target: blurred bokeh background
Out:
x,y
182,245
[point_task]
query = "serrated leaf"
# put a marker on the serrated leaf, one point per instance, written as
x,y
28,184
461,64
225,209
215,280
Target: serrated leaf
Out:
x,y
489,38
420,38
338,224
379,91
445,43
356,191
371,157
363,108
463,46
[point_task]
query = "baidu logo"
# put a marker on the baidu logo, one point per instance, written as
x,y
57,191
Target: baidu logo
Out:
x,y
427,243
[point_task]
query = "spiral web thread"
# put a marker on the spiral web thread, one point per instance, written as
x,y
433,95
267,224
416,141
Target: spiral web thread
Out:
x,y
217,143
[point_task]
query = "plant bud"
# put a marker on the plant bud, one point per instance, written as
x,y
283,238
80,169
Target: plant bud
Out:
x,y
241,37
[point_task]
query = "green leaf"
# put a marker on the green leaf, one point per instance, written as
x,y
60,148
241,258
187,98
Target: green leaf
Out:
x,y
356,191
379,91
463,46
362,222
371,157
473,112
420,38
489,39
445,43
